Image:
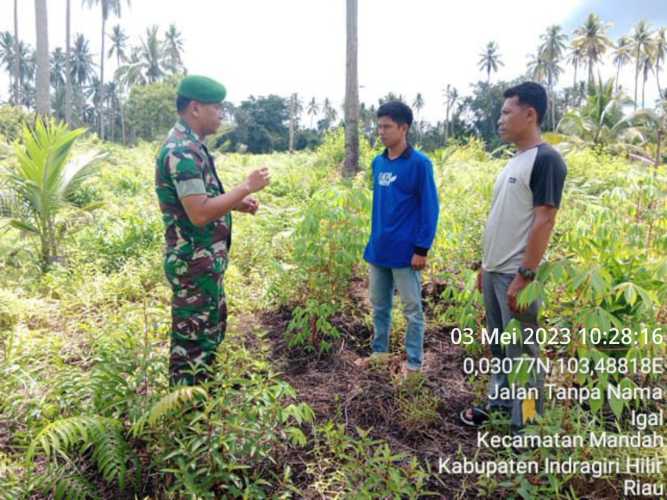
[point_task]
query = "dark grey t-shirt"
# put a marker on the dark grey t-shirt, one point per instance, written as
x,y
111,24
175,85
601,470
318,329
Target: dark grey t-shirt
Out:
x,y
532,178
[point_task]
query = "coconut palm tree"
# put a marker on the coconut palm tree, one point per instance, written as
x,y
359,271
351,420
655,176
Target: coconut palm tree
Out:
x,y
451,95
575,58
43,68
28,67
553,43
538,67
295,109
592,40
173,48
330,113
646,66
7,47
622,55
551,51
42,181
313,109
641,40
82,66
107,8
132,72
489,60
151,55
113,106
118,46
82,69
58,70
418,105
26,71
600,123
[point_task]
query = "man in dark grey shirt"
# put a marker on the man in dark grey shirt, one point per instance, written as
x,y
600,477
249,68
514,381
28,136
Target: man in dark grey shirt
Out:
x,y
526,197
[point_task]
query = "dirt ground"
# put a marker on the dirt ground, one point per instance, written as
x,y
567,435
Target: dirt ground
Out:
x,y
335,387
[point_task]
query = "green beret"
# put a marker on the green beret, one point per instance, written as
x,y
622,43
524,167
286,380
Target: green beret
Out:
x,y
202,89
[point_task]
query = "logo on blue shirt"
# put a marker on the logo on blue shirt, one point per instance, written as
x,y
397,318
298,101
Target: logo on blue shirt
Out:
x,y
386,178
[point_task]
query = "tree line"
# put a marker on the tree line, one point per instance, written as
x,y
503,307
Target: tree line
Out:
x,y
136,102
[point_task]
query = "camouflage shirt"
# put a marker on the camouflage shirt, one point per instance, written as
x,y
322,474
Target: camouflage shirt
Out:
x,y
184,167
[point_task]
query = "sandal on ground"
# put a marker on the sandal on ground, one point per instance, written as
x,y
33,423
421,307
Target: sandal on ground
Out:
x,y
479,416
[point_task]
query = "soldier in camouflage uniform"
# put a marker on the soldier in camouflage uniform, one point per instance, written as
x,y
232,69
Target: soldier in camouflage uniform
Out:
x,y
196,212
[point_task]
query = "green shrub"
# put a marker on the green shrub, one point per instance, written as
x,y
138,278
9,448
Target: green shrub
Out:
x,y
12,120
10,308
327,245
151,110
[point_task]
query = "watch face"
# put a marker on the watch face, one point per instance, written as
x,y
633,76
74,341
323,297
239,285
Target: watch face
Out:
x,y
527,273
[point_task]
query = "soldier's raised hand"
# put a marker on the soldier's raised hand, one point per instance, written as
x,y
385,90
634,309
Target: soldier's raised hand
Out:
x,y
258,179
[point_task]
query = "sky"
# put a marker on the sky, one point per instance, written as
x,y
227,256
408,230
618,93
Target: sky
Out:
x,y
261,47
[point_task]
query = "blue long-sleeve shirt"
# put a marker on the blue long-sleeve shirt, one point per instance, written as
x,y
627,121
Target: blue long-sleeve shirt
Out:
x,y
405,209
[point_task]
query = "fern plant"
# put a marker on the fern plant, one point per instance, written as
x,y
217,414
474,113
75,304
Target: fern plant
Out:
x,y
110,450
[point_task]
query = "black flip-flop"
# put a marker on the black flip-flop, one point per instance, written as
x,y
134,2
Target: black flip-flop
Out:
x,y
479,416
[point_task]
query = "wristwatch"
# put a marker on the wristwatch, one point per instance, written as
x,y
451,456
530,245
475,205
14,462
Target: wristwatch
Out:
x,y
526,273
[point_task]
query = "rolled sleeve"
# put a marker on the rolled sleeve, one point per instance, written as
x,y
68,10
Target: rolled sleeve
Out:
x,y
190,187
186,174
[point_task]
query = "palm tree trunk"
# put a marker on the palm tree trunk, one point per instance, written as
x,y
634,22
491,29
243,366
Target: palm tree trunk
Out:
x,y
590,73
657,79
553,102
618,74
68,76
644,92
122,122
42,84
351,164
637,78
113,119
17,57
574,83
658,141
120,103
292,112
100,111
447,123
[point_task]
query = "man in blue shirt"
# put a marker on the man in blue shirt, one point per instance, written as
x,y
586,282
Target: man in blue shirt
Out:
x,y
404,221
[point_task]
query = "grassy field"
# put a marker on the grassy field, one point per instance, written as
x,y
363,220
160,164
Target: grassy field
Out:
x,y
86,411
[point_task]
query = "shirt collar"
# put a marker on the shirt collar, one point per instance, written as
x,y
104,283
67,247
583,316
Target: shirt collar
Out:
x,y
182,126
404,155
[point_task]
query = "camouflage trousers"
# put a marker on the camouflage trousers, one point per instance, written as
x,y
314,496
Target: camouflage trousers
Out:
x,y
199,315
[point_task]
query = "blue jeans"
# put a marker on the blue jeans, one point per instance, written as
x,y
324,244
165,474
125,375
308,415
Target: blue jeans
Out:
x,y
382,282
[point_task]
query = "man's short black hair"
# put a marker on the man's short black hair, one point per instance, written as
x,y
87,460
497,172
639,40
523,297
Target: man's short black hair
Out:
x,y
182,103
396,110
530,94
